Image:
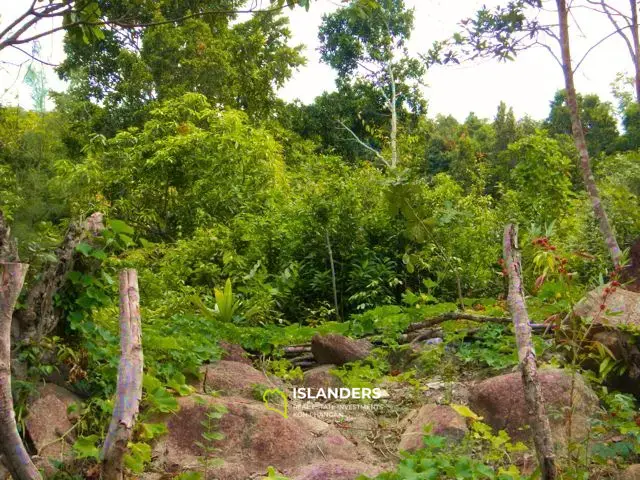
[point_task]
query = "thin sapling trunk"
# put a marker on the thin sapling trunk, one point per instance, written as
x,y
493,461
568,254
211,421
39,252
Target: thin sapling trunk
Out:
x,y
527,357
16,457
129,389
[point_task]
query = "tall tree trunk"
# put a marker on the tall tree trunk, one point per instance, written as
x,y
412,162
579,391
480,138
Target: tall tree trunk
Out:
x,y
39,317
333,274
527,357
129,389
16,457
579,138
636,46
394,120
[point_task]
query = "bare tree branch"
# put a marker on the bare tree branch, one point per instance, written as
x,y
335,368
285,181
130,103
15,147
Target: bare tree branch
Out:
x,y
33,57
550,50
59,10
593,47
368,147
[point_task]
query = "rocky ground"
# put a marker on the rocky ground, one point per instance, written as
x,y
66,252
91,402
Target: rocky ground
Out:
x,y
336,439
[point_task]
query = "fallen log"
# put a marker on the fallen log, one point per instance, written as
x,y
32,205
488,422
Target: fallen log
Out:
x,y
419,335
424,330
445,317
303,357
305,364
295,350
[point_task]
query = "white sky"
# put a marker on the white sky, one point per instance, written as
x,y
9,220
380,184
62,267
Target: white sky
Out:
x,y
528,84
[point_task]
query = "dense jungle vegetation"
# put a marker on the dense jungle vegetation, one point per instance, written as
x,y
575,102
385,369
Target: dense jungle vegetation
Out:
x,y
259,222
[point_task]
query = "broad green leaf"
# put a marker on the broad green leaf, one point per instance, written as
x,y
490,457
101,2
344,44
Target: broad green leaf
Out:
x,y
162,401
150,383
118,226
149,431
178,384
84,248
139,454
465,411
85,447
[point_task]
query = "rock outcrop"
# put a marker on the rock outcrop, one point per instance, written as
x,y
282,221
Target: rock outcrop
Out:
x,y
500,400
338,349
621,313
622,307
632,472
233,378
336,470
444,422
52,413
254,439
321,377
232,352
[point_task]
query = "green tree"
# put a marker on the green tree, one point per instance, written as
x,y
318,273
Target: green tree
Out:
x,y
541,176
366,41
86,21
505,127
501,33
191,165
598,121
239,66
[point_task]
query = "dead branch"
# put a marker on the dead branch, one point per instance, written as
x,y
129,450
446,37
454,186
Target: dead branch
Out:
x,y
444,317
526,354
295,350
129,389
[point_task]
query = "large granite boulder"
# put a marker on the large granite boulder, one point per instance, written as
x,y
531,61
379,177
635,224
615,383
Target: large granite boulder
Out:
x,y
52,413
321,377
233,378
254,439
622,307
335,470
443,420
232,352
612,328
337,349
500,400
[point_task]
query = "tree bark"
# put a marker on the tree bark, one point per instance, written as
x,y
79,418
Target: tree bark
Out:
x,y
636,46
39,317
333,275
16,457
394,119
129,389
579,138
8,248
527,357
